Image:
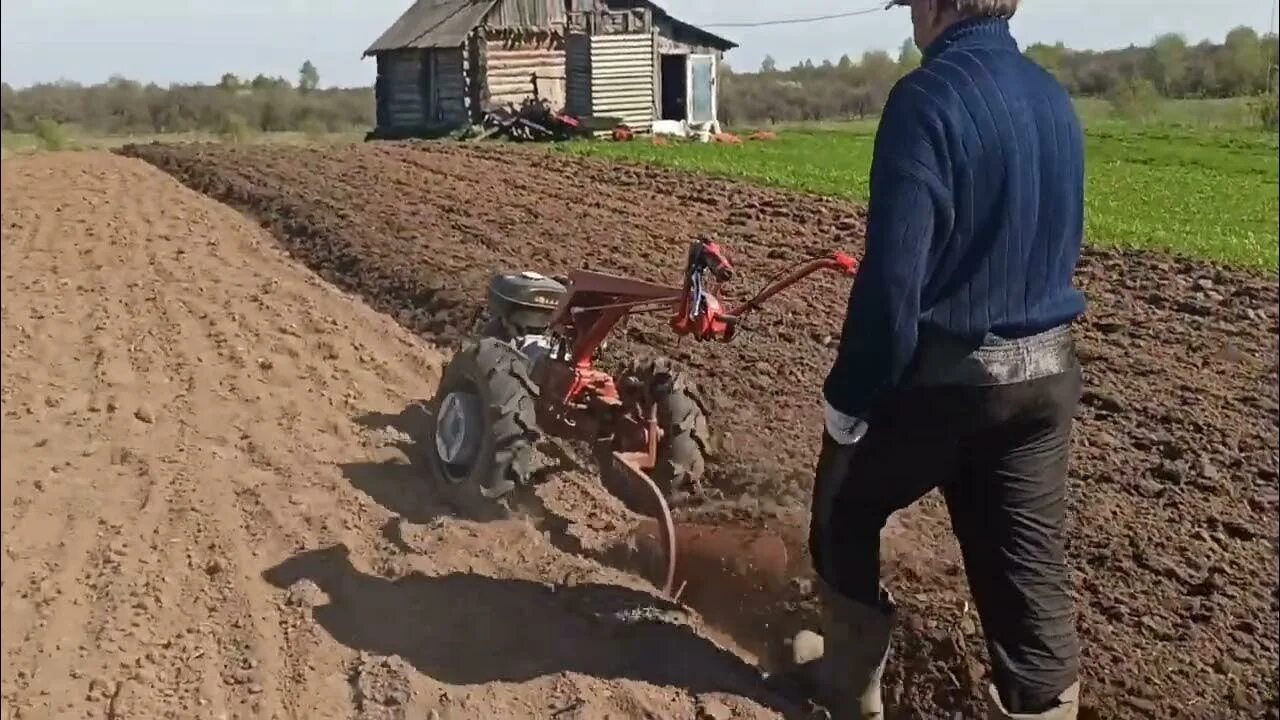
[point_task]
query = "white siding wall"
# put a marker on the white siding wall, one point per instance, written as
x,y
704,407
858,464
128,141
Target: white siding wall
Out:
x,y
620,71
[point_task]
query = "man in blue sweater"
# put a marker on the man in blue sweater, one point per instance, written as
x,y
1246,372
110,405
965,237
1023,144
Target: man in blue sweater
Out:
x,y
956,368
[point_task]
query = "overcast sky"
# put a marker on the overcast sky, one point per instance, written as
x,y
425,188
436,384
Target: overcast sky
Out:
x,y
167,41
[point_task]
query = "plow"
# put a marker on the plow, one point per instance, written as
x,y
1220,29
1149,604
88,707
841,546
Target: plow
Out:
x,y
532,371
534,120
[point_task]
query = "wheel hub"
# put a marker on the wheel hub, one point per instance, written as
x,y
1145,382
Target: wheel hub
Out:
x,y
459,431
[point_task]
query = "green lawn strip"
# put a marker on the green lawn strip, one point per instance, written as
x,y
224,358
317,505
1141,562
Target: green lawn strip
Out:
x,y
1204,192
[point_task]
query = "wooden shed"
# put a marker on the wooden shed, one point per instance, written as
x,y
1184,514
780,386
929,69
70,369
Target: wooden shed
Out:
x,y
444,62
632,60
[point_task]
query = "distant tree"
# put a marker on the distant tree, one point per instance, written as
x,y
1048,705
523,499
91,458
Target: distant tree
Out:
x,y
1201,79
308,77
261,82
230,82
845,63
121,106
1244,66
1169,54
120,81
879,70
1049,57
768,65
909,55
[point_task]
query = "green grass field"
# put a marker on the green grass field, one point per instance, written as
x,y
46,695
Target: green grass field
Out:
x,y
1199,190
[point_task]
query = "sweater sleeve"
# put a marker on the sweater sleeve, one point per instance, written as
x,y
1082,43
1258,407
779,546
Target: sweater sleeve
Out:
x,y
910,207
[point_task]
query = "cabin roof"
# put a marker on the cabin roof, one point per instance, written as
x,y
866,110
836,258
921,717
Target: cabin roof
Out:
x,y
445,24
432,24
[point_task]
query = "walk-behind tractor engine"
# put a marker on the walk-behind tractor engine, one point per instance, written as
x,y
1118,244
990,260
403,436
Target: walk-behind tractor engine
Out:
x,y
520,309
531,372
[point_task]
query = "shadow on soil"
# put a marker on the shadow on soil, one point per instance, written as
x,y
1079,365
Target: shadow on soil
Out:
x,y
404,489
411,490
469,629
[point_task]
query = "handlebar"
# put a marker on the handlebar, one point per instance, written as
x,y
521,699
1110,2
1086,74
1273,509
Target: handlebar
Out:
x,y
699,313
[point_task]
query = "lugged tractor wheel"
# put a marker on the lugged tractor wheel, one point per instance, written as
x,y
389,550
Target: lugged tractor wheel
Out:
x,y
483,431
685,443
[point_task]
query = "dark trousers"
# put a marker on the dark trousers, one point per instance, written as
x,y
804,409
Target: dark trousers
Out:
x,y
999,456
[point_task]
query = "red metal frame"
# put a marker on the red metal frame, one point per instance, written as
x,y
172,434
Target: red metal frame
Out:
x,y
578,401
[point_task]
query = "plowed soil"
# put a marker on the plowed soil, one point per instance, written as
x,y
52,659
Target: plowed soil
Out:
x,y
211,509
1174,511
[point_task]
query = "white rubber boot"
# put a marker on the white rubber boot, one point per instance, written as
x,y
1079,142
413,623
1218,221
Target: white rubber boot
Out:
x,y
843,667
1068,707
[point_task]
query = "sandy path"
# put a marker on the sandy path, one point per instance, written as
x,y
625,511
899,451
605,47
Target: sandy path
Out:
x,y
209,511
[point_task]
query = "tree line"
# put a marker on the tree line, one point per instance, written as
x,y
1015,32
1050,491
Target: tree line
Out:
x,y
1244,64
233,106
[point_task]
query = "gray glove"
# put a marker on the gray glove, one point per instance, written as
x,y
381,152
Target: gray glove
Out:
x,y
844,429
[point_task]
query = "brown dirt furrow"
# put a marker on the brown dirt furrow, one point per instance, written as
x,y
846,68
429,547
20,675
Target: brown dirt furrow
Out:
x,y
1174,509
210,509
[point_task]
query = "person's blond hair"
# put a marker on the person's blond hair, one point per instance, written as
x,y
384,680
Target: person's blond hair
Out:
x,y
985,8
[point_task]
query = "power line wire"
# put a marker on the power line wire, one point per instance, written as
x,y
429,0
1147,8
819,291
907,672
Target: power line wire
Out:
x,y
794,21
868,11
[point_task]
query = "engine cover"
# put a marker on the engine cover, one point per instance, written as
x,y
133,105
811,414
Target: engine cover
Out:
x,y
524,300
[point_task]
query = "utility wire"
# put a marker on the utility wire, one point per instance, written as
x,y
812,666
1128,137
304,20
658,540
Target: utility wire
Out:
x,y
854,13
795,21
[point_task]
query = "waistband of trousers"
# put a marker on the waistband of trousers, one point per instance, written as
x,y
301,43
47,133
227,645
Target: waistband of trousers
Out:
x,y
997,361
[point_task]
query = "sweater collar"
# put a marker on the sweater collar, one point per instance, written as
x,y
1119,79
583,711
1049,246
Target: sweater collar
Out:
x,y
973,32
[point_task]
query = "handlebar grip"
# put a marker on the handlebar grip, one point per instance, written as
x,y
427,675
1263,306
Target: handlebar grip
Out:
x,y
846,263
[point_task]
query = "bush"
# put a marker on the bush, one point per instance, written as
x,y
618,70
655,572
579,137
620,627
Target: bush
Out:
x,y
1134,99
1266,111
51,134
233,128
314,128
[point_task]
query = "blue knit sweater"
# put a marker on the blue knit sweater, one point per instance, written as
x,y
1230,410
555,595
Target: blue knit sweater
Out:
x,y
976,213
